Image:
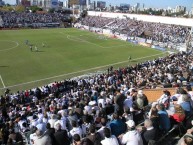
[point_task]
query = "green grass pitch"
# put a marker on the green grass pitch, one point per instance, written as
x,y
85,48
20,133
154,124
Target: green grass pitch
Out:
x,y
67,53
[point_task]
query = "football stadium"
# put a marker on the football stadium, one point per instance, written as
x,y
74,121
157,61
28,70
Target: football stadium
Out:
x,y
102,78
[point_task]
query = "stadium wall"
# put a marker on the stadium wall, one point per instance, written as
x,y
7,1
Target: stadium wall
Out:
x,y
147,18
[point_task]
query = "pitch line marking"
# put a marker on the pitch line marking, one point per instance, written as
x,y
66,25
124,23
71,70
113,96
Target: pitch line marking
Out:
x,y
82,40
94,68
127,44
78,39
68,37
17,44
2,81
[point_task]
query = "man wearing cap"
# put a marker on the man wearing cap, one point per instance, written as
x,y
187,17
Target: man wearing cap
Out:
x,y
132,137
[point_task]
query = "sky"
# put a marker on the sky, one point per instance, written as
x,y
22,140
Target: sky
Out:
x,y
148,3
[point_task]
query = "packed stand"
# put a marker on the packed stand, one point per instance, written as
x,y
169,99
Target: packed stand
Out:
x,y
98,22
166,33
100,110
16,19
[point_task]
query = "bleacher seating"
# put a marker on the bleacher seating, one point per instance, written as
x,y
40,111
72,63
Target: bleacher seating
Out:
x,y
158,32
111,96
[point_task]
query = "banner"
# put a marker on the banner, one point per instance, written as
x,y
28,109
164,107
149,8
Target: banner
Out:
x,y
144,44
141,40
132,41
149,41
158,48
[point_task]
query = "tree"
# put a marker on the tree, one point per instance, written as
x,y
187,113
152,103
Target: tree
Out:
x,y
84,14
6,8
73,2
51,10
35,8
19,8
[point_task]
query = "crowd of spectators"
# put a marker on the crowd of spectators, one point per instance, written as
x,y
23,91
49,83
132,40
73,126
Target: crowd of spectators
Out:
x,y
96,21
16,19
134,28
106,108
102,109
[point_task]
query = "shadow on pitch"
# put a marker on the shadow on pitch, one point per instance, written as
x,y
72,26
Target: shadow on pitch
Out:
x,y
38,51
4,66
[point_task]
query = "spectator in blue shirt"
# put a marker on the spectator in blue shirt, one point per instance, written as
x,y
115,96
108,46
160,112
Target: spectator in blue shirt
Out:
x,y
117,125
186,105
163,118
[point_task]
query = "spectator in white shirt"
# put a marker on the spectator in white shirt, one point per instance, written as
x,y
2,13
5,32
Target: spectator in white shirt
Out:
x,y
34,121
75,130
52,120
40,114
61,121
20,123
41,125
101,101
132,137
109,139
92,102
33,136
88,109
104,125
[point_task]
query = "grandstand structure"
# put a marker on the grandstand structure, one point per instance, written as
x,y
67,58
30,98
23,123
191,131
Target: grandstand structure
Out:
x,y
157,35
